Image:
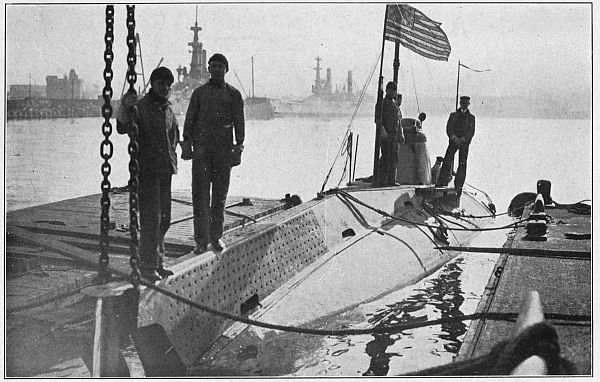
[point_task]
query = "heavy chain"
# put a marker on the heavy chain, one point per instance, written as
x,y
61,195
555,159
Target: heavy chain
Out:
x,y
133,149
106,147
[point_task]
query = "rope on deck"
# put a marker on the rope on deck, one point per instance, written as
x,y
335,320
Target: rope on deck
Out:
x,y
540,339
381,212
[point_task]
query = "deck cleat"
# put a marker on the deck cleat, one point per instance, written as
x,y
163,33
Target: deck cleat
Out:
x,y
537,224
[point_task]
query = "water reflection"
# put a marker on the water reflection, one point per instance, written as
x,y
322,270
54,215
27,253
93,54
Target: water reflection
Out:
x,y
444,295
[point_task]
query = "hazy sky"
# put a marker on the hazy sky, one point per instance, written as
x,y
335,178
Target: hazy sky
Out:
x,y
531,48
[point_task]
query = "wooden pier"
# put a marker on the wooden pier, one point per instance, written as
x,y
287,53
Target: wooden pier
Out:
x,y
562,278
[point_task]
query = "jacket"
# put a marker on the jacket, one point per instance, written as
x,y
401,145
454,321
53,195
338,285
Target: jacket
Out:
x,y
391,113
215,111
461,124
158,134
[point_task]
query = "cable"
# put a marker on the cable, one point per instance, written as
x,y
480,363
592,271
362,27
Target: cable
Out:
x,y
240,82
486,195
335,332
348,129
422,231
439,216
337,190
461,214
339,332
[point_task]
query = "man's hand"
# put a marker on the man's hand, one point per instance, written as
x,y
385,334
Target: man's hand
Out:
x,y
454,139
383,134
186,150
129,100
235,158
401,139
125,112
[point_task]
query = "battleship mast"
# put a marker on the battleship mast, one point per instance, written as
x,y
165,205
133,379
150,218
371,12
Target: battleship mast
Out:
x,y
318,85
198,64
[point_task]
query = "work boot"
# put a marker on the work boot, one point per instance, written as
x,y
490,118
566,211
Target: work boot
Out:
x,y
150,275
163,272
217,245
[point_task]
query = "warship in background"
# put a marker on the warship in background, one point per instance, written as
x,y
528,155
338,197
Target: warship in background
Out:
x,y
198,75
324,101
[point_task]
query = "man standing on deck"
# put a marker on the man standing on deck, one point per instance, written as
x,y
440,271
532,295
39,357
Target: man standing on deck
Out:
x,y
158,135
460,129
215,112
387,120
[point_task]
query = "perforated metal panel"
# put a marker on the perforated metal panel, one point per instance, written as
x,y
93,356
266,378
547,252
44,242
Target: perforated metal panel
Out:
x,y
258,265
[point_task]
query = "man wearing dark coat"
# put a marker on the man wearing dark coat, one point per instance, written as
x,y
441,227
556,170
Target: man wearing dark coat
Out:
x,y
387,119
214,117
460,130
158,136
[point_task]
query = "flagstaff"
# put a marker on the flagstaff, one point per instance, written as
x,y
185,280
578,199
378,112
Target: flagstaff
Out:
x,y
375,180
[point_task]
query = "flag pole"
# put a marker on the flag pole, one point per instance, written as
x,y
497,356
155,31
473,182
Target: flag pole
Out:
x,y
375,179
396,61
457,82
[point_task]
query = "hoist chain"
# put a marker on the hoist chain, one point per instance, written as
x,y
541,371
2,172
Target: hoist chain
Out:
x,y
106,147
133,149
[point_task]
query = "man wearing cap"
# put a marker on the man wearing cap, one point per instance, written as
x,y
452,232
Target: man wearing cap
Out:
x,y
158,136
214,116
387,120
460,129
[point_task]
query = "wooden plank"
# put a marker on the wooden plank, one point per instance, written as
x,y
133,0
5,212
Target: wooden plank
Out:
x,y
30,289
47,242
115,238
530,252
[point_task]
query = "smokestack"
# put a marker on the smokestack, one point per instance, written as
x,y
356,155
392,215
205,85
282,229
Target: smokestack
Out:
x,y
350,90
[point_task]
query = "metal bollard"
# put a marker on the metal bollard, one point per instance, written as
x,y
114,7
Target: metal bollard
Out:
x,y
544,187
115,318
537,225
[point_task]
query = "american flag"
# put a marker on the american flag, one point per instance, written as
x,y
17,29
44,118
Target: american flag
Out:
x,y
417,32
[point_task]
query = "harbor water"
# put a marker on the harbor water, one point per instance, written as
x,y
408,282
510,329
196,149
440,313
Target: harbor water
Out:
x,y
50,160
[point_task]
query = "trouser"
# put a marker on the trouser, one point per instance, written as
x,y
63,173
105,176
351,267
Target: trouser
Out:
x,y
461,171
154,195
210,166
388,162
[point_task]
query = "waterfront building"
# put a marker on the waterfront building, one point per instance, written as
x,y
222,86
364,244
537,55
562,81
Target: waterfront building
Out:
x,y
64,88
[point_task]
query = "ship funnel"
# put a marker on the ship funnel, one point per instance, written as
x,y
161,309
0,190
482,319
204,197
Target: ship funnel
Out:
x,y
350,90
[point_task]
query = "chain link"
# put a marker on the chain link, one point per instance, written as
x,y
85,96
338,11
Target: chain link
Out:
x,y
106,147
133,149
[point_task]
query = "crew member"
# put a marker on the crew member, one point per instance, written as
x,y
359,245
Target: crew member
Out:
x,y
215,114
460,130
388,124
158,135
